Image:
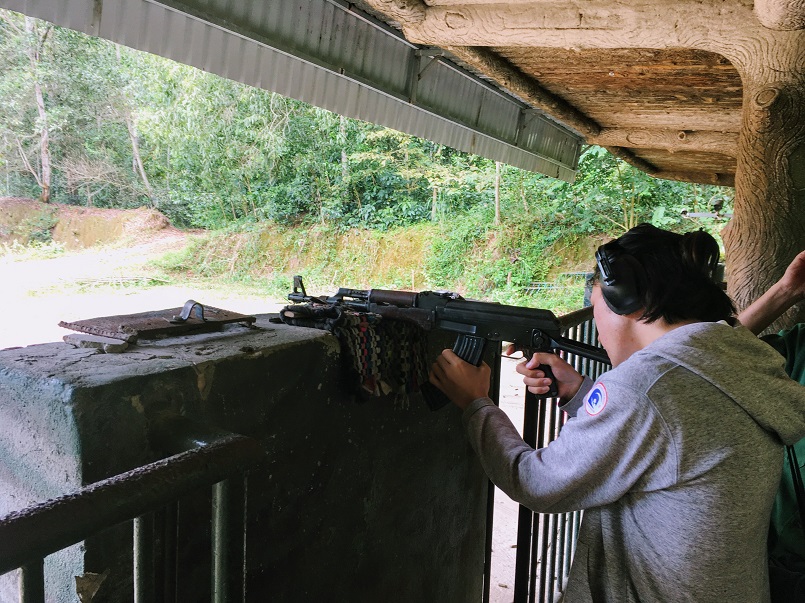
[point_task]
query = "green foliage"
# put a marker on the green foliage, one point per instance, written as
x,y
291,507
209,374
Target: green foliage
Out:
x,y
610,196
265,259
38,229
31,251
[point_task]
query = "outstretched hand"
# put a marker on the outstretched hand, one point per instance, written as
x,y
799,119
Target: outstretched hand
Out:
x,y
793,280
783,294
461,381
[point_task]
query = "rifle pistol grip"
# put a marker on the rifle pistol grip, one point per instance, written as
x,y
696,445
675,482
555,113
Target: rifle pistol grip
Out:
x,y
553,391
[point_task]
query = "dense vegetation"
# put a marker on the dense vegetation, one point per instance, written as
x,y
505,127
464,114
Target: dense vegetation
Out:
x,y
87,122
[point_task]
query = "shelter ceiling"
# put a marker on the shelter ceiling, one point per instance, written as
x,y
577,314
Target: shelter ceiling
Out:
x,y
640,91
671,109
632,88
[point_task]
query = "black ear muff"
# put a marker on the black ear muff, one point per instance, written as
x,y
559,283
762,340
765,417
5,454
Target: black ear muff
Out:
x,y
623,280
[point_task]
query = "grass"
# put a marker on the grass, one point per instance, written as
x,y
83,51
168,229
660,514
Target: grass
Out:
x,y
101,285
17,252
263,261
260,261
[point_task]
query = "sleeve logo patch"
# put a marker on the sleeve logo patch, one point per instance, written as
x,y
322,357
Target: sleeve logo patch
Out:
x,y
596,399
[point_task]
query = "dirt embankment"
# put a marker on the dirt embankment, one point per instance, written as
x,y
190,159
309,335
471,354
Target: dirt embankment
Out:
x,y
25,221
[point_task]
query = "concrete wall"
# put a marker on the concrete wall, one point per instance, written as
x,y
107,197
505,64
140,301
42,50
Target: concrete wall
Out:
x,y
357,500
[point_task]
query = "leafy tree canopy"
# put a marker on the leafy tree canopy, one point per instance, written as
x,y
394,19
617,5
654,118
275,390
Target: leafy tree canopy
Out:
x,y
100,124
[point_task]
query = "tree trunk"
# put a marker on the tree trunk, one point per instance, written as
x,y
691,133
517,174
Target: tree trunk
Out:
x,y
34,51
497,193
768,227
131,126
342,139
44,146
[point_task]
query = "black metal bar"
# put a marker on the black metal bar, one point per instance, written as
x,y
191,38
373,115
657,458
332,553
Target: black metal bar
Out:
x,y
522,562
567,550
490,490
32,582
576,317
228,517
144,583
237,538
169,553
42,529
525,519
541,536
546,594
550,584
220,542
561,550
556,522
541,544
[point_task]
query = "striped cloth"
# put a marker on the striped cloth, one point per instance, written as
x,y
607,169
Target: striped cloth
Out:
x,y
388,357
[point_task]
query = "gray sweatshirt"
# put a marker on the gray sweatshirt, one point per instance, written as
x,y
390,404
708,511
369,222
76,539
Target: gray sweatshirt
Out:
x,y
675,455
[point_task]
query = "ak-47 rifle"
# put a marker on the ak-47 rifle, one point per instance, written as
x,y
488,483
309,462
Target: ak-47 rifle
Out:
x,y
528,329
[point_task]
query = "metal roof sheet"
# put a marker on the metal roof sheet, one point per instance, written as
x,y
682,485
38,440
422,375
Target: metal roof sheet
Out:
x,y
327,53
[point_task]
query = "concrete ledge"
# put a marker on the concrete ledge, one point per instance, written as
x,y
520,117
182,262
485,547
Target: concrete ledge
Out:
x,y
358,501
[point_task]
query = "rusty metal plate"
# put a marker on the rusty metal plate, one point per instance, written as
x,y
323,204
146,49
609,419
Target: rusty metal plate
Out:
x,y
191,318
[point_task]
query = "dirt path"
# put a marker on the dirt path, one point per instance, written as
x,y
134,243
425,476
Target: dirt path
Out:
x,y
38,294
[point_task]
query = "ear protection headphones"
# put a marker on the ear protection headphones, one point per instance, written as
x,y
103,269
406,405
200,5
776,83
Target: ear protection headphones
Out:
x,y
623,280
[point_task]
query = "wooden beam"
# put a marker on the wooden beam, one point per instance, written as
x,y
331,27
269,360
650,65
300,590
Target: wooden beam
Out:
x,y
706,24
614,140
697,177
725,143
398,11
508,77
633,160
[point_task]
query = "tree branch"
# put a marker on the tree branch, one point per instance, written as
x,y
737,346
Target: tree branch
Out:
x,y
27,163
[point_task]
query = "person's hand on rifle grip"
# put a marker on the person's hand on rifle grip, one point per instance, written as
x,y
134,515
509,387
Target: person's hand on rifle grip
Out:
x,y
461,381
568,380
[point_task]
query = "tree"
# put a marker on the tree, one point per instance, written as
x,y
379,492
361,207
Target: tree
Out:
x,y
63,113
25,43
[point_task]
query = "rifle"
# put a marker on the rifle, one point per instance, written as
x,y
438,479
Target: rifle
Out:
x,y
475,323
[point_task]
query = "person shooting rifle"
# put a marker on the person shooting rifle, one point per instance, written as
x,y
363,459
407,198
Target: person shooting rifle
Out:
x,y
655,451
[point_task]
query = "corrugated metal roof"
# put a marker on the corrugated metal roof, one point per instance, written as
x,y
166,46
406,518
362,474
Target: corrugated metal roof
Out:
x,y
327,53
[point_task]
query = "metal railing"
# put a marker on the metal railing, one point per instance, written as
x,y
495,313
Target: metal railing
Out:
x,y
546,541
29,535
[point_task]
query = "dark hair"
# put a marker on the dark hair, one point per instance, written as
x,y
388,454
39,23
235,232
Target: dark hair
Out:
x,y
680,272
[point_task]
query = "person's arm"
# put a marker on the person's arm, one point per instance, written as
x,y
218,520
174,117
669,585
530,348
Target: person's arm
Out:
x,y
783,294
615,441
